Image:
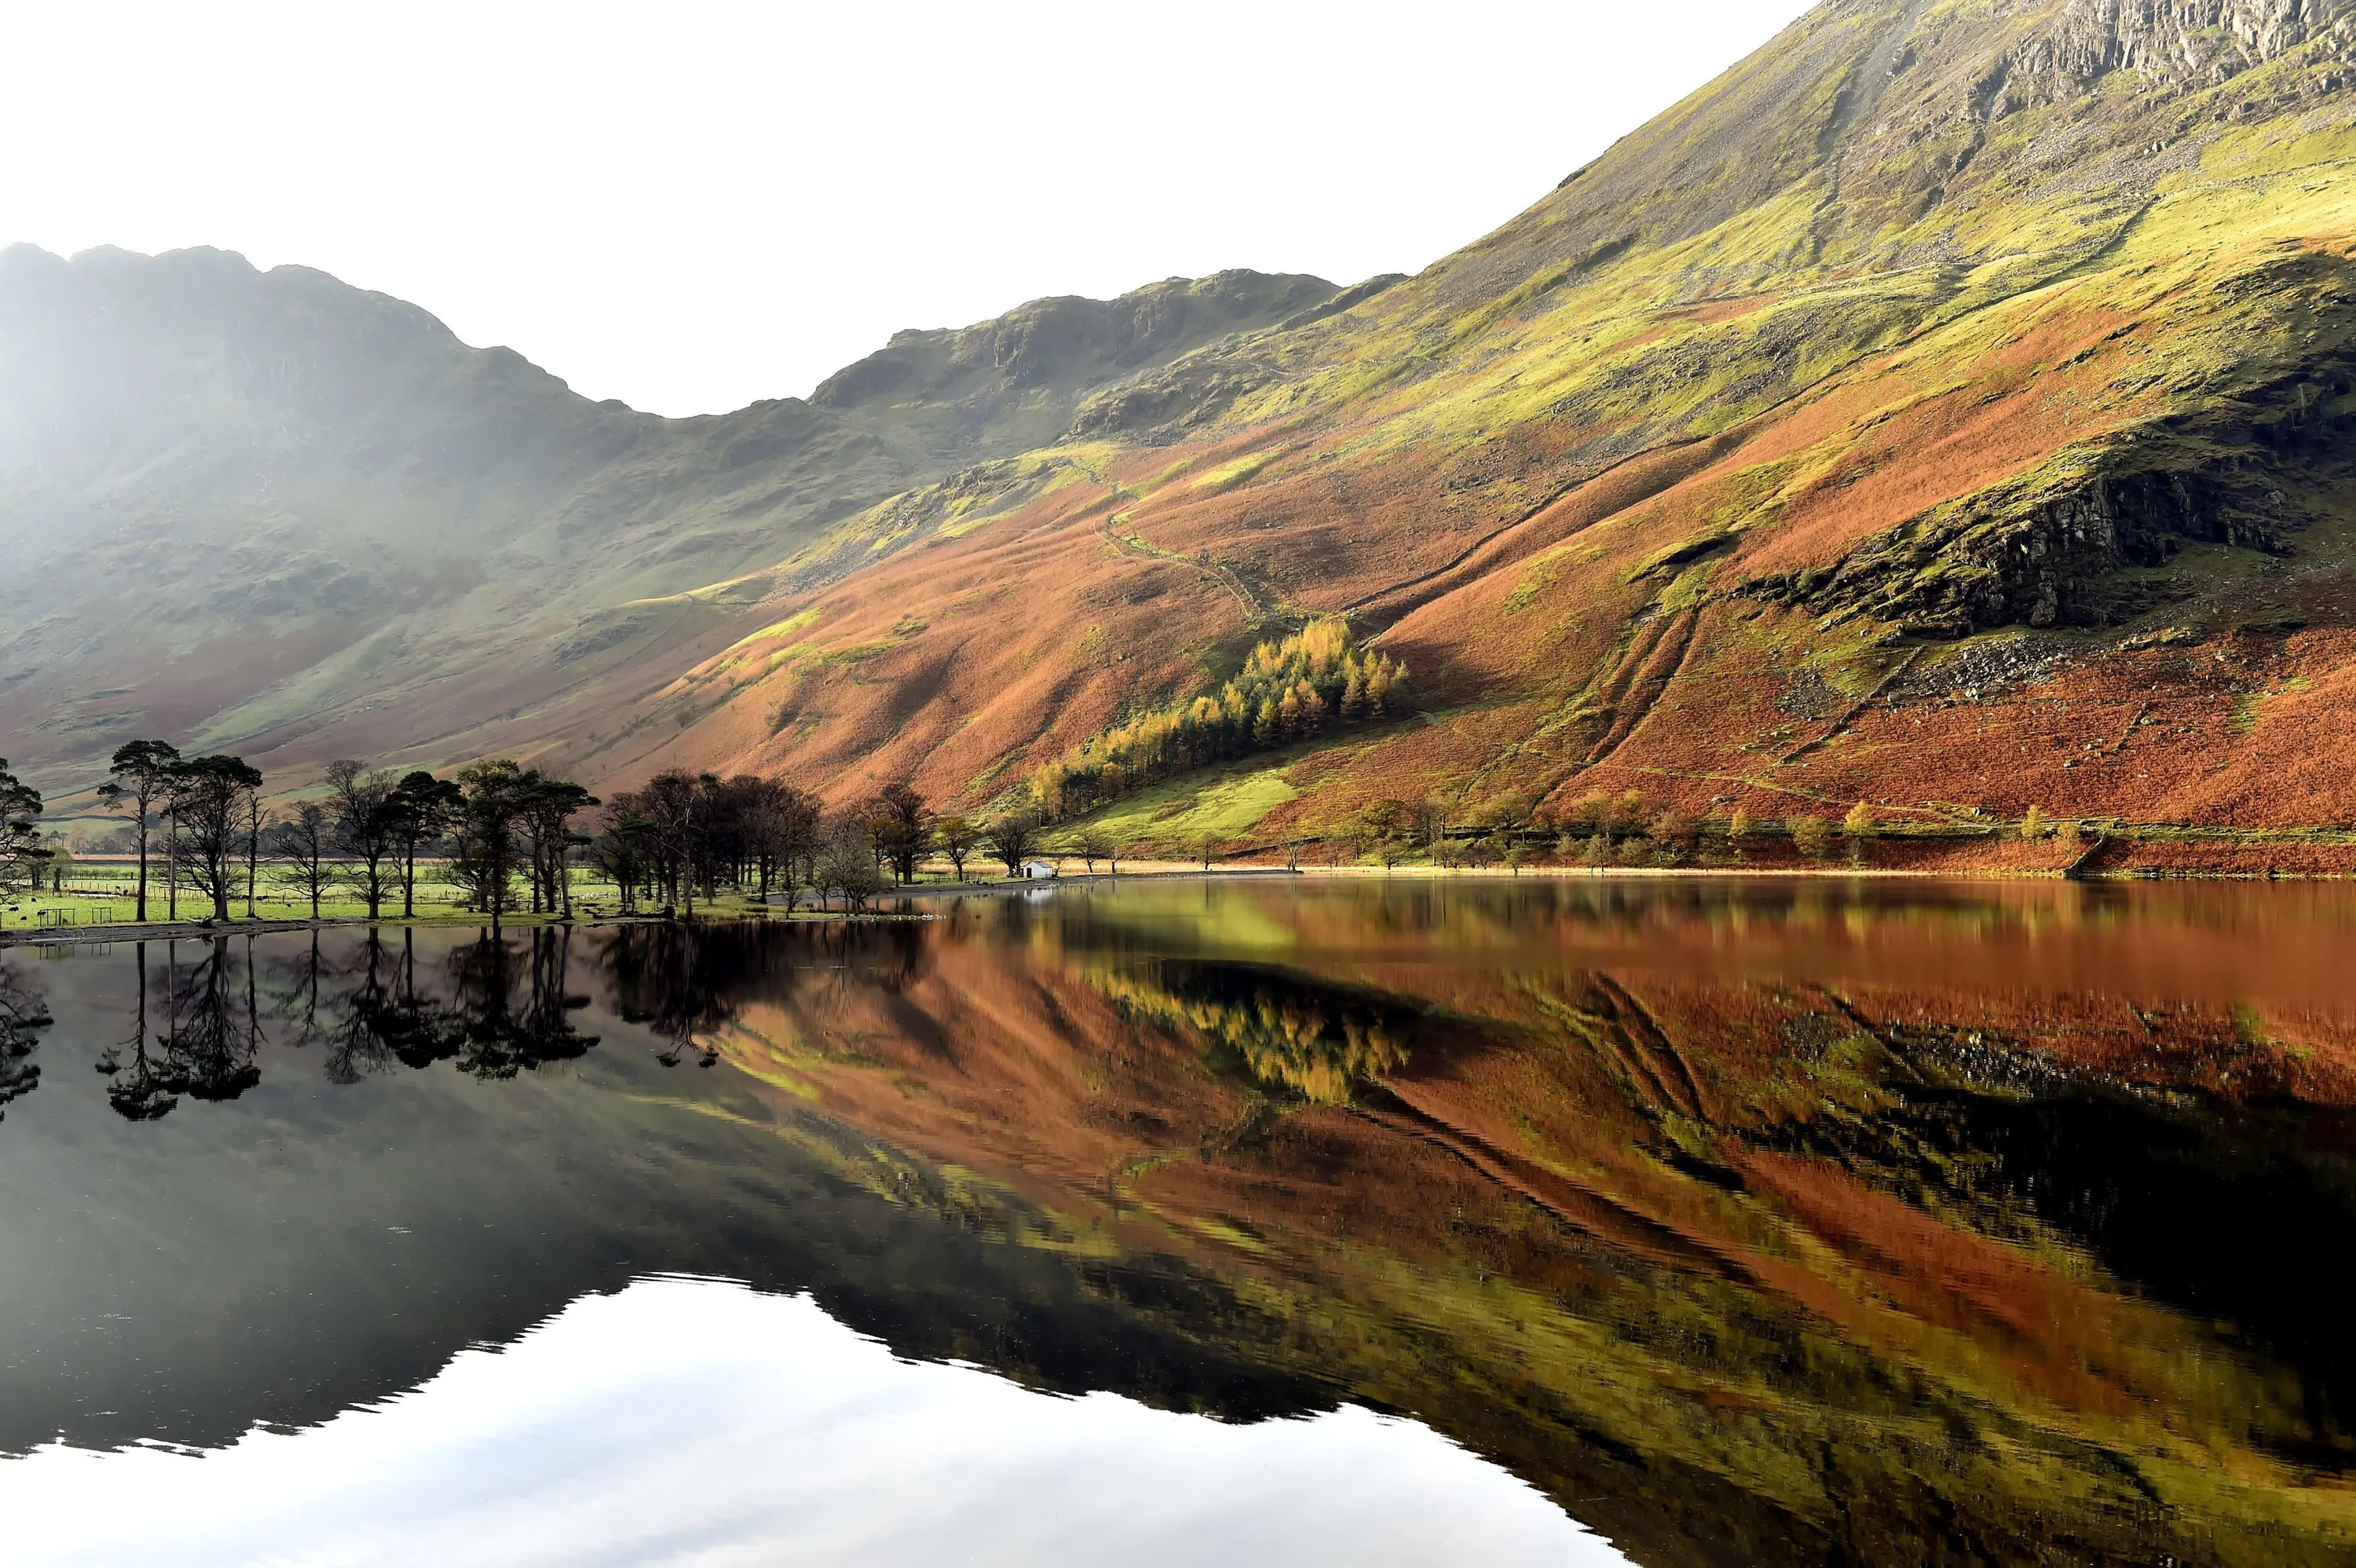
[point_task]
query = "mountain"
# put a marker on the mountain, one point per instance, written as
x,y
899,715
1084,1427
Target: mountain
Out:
x,y
1947,408
270,511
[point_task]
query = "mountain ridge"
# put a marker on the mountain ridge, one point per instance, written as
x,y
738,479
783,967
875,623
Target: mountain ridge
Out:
x,y
322,497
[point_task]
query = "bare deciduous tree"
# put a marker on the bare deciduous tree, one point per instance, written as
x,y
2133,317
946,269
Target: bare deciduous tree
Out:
x,y
368,827
846,866
957,834
1012,837
304,844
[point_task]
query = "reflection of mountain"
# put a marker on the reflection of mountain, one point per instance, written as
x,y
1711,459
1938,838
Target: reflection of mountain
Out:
x,y
1739,1269
333,1236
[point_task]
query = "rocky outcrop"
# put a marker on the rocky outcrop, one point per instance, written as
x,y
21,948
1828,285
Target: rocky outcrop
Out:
x,y
2195,42
2046,549
2039,554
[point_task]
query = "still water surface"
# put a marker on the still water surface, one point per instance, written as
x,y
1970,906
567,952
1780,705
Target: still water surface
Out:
x,y
1226,1221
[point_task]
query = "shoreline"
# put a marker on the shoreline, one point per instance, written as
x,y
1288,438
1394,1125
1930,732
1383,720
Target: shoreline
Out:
x,y
808,915
804,912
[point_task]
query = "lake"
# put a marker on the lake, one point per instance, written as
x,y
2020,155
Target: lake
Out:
x,y
1232,1221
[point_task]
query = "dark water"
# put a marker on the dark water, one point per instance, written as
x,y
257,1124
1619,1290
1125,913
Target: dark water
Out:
x,y
1303,1221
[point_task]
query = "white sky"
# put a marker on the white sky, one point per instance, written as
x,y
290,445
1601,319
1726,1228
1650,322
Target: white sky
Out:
x,y
692,205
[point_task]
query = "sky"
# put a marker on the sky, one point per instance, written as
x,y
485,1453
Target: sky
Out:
x,y
695,204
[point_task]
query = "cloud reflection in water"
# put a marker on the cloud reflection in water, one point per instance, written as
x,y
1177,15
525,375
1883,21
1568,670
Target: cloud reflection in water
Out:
x,y
697,1420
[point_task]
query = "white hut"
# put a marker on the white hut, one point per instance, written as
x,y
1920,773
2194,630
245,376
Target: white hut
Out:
x,y
1040,870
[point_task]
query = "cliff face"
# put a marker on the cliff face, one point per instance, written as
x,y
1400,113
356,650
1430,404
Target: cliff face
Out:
x,y
2186,42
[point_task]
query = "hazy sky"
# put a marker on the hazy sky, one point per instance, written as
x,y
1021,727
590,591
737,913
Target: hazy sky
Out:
x,y
690,205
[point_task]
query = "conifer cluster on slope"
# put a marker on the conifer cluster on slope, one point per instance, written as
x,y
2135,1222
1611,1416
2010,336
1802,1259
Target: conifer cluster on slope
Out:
x,y
1292,689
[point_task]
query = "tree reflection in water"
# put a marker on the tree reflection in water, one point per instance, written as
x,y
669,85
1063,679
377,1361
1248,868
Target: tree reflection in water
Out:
x,y
498,1037
212,1034
208,1046
137,1092
1286,1032
688,982
666,978
23,1016
507,1008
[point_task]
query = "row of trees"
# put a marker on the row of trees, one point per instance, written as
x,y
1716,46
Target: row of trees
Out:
x,y
496,824
1593,829
505,836
686,836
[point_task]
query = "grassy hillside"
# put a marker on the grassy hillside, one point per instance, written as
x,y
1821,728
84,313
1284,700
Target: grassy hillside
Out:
x,y
1945,408
271,511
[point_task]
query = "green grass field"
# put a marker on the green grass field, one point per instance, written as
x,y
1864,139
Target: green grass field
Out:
x,y
103,896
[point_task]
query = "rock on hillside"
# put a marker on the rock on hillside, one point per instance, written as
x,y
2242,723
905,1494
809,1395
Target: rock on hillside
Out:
x,y
269,510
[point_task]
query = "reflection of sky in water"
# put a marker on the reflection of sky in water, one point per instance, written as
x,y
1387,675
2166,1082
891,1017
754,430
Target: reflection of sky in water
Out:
x,y
689,1420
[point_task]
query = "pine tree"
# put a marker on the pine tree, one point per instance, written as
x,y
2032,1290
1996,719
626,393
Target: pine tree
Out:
x,y
1353,699
1312,707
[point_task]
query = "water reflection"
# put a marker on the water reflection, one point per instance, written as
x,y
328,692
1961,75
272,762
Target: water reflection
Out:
x,y
1287,1033
771,1434
505,1007
1759,1223
23,1017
